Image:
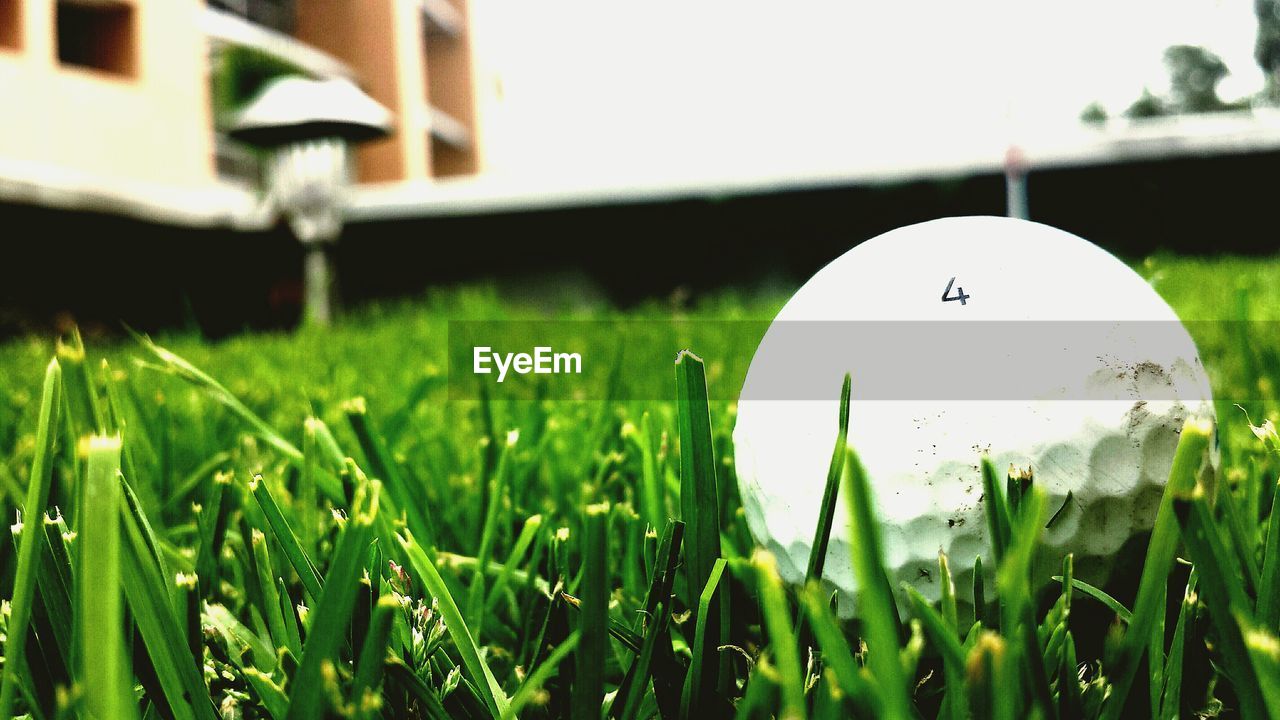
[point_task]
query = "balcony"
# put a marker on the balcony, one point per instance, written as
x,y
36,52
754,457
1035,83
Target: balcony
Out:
x,y
443,19
279,15
251,41
226,28
448,130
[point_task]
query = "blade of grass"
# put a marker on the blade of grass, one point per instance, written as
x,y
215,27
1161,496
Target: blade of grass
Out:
x,y
293,551
992,683
653,491
335,604
308,498
267,589
364,697
103,673
1070,699
632,691
1269,587
82,399
528,533
383,467
827,511
836,653
327,450
55,584
700,509
520,578
371,589
954,700
950,614
528,690
632,529
1161,549
829,699
782,639
1264,650
618,630
1068,583
239,639
188,613
270,694
136,518
290,616
1013,581
24,584
1223,593
979,593
697,699
945,641
593,622
212,525
10,486
394,427
1101,596
655,650
699,488
761,693
1156,658
428,702
473,664
875,601
997,511
146,588
488,535
196,478
1242,543
1171,693
117,425
174,365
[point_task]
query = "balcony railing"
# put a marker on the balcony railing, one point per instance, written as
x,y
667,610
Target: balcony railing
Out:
x,y
236,163
279,15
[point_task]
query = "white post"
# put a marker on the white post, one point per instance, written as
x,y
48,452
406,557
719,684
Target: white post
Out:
x,y
1015,184
309,180
317,282
309,124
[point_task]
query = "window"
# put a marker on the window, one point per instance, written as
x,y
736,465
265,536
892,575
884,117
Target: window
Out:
x,y
98,35
279,15
10,24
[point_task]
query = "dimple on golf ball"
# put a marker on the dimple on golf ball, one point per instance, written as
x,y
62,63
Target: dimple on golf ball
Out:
x,y
966,336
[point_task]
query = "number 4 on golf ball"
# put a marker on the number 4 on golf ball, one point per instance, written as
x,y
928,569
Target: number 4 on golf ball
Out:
x,y
966,336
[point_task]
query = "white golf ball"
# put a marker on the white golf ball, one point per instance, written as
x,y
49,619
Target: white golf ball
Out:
x,y
966,336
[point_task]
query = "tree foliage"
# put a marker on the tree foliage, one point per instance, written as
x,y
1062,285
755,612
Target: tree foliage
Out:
x,y
1194,74
1266,48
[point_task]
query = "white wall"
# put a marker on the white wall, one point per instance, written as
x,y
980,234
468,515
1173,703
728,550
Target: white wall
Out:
x,y
654,88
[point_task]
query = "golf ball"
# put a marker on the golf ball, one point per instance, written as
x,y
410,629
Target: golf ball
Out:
x,y
966,336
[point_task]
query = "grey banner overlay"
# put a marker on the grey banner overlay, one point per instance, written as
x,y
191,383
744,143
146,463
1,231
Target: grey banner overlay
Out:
x,y
974,360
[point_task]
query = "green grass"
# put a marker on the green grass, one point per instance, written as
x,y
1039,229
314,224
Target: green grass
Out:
x,y
305,525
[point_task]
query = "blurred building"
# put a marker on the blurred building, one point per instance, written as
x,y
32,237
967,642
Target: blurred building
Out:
x,y
116,105
112,163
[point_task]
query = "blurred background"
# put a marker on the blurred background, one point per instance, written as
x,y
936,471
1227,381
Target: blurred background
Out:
x,y
621,150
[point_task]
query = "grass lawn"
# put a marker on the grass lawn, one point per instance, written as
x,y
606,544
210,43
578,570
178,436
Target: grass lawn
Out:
x,y
307,525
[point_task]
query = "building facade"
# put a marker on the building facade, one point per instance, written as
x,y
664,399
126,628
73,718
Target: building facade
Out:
x,y
120,98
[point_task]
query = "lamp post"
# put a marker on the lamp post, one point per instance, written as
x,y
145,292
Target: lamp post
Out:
x,y
308,127
1015,183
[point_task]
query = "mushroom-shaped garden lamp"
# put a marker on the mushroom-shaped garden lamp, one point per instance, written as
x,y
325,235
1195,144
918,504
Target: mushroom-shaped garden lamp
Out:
x,y
308,126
